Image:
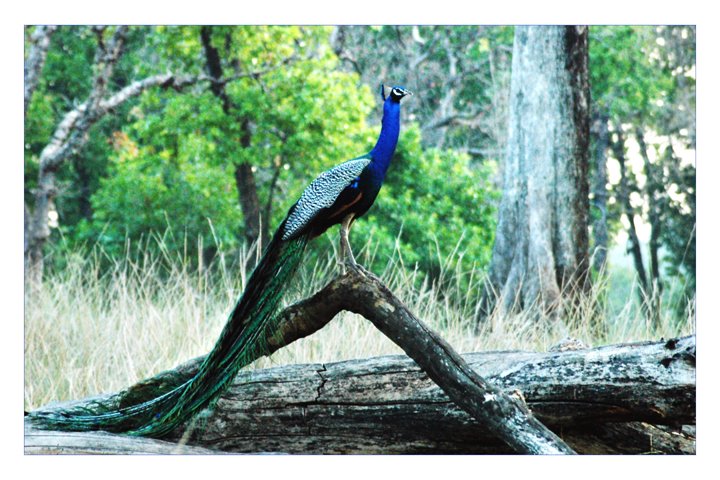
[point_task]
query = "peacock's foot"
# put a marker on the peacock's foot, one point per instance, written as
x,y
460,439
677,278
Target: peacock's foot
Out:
x,y
347,262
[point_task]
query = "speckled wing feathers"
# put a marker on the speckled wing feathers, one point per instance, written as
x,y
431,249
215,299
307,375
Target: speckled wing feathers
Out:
x,y
322,193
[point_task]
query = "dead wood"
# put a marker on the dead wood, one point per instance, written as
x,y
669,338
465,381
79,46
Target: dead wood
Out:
x,y
394,405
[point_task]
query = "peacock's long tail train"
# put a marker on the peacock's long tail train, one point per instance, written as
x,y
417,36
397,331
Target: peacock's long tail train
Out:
x,y
244,338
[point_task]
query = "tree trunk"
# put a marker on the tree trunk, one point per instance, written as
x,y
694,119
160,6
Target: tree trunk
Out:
x,y
651,191
541,242
595,399
39,45
249,204
624,194
652,188
600,226
244,175
85,192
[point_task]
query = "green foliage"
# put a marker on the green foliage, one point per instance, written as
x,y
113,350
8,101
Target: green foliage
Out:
x,y
173,165
642,80
159,191
432,202
622,79
166,159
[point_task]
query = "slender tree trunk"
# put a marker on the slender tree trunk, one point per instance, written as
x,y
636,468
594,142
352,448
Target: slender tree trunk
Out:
x,y
214,68
84,204
28,235
39,45
244,175
651,194
541,242
618,148
249,203
600,228
651,191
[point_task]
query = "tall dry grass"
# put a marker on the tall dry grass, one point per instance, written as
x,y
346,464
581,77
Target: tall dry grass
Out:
x,y
92,329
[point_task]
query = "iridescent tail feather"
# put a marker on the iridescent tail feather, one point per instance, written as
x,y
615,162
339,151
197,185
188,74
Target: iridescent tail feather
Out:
x,y
244,338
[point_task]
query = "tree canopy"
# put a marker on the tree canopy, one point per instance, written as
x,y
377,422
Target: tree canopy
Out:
x,y
261,110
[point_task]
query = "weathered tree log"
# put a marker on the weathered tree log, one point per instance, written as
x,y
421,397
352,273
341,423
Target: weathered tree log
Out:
x,y
595,399
362,292
49,442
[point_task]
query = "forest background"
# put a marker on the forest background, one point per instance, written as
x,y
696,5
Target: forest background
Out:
x,y
159,159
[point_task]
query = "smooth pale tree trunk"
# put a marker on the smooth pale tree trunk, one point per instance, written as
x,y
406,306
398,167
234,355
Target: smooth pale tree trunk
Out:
x,y
541,245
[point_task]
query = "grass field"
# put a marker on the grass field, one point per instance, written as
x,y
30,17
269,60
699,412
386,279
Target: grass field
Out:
x,y
90,330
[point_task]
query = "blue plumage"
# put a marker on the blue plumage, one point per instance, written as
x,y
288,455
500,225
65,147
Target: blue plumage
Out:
x,y
352,186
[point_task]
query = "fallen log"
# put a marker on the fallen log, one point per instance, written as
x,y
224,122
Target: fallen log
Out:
x,y
44,442
360,291
601,400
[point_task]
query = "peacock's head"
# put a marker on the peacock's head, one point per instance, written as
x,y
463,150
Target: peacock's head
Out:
x,y
396,93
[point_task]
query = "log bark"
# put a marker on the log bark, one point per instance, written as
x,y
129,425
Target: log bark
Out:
x,y
611,399
361,292
82,443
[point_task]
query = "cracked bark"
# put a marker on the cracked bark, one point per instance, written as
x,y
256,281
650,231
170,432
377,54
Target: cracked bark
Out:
x,y
643,383
601,400
361,292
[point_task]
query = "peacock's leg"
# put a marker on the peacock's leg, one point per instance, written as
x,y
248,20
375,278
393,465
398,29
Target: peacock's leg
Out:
x,y
346,255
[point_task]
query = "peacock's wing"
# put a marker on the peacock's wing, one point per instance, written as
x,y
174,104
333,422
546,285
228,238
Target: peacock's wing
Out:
x,y
321,194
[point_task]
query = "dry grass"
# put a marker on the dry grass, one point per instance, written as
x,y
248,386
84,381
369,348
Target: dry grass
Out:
x,y
89,330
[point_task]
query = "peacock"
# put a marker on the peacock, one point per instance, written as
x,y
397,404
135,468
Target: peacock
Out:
x,y
338,196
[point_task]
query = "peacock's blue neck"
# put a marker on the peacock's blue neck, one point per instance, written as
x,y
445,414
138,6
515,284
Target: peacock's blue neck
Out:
x,y
385,147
